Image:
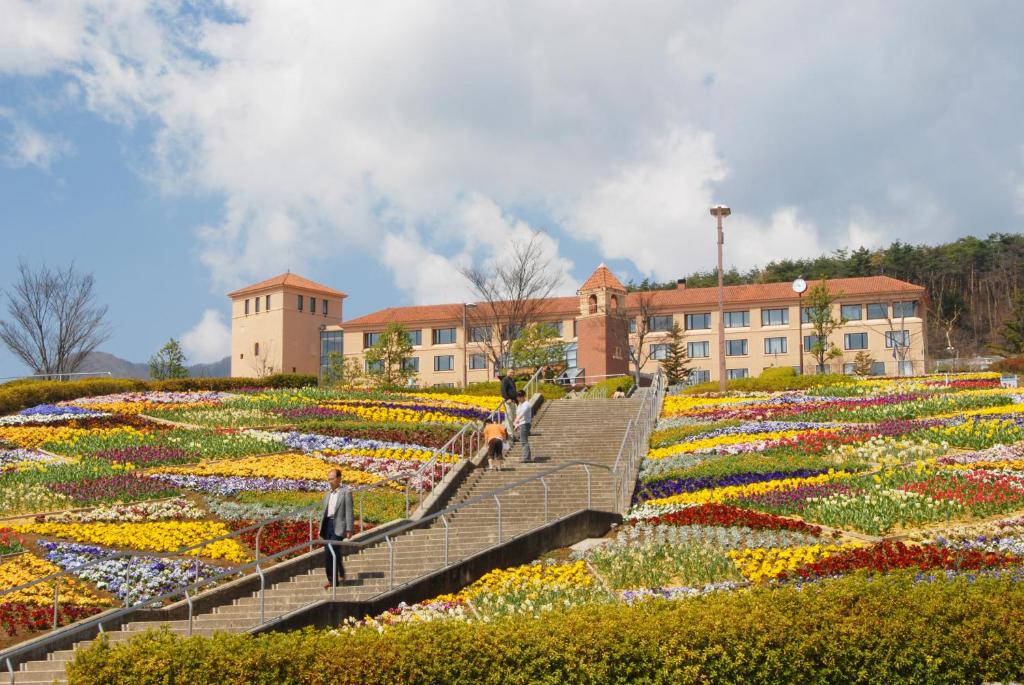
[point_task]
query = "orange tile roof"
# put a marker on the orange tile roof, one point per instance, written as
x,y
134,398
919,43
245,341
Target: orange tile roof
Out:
x,y
777,292
602,278
290,280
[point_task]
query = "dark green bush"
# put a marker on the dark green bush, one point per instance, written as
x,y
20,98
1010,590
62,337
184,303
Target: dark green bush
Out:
x,y
778,372
550,391
17,396
886,629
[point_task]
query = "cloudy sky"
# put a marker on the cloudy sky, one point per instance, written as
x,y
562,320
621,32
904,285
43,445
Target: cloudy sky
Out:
x,y
179,150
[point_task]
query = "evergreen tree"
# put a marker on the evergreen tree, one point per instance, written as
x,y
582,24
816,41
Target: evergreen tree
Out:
x,y
169,362
675,362
1012,331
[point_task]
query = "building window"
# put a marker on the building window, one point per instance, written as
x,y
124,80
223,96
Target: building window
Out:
x,y
444,362
659,323
411,364
877,368
300,302
848,368
331,342
737,319
904,309
444,385
897,338
774,317
370,339
480,334
375,367
805,314
811,340
615,303
312,305
592,304
256,349
733,374
570,356
700,376
698,322
414,337
698,350
632,326
257,305
735,348
574,328
511,331
905,368
851,312
659,351
324,303
557,325
878,310
775,346
444,336
478,361
247,307
855,341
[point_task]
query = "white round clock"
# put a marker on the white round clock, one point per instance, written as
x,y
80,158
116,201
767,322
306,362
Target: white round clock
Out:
x,y
799,285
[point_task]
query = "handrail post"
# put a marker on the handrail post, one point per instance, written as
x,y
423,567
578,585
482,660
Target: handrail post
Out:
x,y
334,570
406,498
188,599
259,533
444,520
263,598
362,496
310,530
391,562
498,502
590,498
544,482
10,669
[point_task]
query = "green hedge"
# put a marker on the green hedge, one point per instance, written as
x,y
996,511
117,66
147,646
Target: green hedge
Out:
x,y
773,383
610,385
852,630
550,391
17,396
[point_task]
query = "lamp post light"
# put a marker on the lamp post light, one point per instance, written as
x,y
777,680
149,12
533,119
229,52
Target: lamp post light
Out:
x,y
466,306
720,212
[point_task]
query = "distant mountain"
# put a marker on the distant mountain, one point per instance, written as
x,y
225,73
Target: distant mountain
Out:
x,y
122,368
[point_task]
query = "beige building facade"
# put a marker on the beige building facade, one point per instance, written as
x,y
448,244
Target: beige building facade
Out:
x,y
764,327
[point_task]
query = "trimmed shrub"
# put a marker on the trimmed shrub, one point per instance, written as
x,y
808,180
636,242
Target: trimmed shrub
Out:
x,y
1009,365
610,385
549,391
17,396
857,629
778,372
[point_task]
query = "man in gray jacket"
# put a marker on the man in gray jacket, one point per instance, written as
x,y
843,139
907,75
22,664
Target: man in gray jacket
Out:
x,y
336,524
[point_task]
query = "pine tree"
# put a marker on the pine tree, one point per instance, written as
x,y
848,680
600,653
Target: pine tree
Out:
x,y
1012,331
169,362
675,362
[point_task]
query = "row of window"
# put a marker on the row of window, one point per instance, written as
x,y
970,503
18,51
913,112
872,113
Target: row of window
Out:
x,y
442,362
301,299
448,336
780,345
903,368
780,317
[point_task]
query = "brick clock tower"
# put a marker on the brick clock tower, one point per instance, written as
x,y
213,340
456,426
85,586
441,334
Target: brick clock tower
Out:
x,y
602,329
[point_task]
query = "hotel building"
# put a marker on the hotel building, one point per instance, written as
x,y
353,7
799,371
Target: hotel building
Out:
x,y
765,326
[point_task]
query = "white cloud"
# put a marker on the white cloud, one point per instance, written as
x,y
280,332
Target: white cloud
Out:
x,y
427,134
27,146
208,341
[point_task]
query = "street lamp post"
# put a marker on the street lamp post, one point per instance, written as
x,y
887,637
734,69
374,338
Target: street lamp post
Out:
x,y
465,340
799,286
720,212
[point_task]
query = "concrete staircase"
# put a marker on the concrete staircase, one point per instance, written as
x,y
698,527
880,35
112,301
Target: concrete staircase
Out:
x,y
564,431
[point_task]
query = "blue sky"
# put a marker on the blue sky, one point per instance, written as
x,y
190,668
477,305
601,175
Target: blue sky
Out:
x,y
180,150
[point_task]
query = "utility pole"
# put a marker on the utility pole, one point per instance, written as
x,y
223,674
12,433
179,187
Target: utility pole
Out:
x,y
799,286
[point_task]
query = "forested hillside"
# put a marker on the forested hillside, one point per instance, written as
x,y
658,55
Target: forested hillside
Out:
x,y
972,283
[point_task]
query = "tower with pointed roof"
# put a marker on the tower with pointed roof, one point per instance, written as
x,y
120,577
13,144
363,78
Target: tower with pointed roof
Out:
x,y
602,328
276,325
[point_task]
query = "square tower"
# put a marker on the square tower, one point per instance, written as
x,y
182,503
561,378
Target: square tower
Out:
x,y
276,324
602,327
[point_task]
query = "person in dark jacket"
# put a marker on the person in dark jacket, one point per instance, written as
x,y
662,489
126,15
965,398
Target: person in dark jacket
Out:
x,y
508,395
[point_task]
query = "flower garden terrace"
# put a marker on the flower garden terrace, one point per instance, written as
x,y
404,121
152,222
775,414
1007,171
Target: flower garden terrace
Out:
x,y
119,483
914,484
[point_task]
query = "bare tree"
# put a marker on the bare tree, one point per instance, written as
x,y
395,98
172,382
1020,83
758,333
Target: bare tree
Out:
x,y
261,364
54,321
637,354
511,294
